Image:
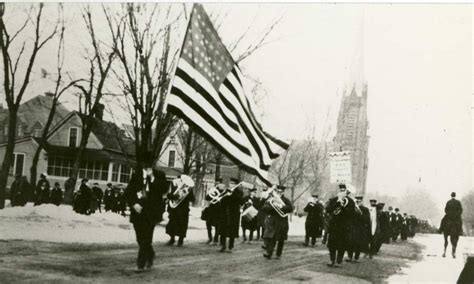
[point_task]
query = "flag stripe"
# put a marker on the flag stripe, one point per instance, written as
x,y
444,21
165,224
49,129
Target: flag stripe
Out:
x,y
210,118
234,157
198,88
203,123
236,106
230,85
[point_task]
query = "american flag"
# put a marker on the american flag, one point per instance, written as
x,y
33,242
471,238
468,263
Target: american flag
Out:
x,y
207,92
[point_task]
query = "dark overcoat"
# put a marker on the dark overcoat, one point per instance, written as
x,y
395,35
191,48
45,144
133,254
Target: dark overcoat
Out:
x,y
451,224
19,192
229,214
211,212
276,227
340,228
314,220
362,229
179,216
151,201
56,196
42,194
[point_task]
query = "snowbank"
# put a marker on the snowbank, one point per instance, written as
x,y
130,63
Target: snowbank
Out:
x,y
433,268
61,224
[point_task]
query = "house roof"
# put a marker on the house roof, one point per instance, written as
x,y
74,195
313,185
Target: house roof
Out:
x,y
36,110
112,137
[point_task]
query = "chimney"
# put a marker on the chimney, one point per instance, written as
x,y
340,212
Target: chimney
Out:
x,y
49,94
99,112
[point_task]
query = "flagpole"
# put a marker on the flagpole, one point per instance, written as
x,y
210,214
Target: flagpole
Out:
x,y
180,51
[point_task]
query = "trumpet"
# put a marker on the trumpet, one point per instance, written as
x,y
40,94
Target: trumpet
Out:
x,y
216,195
276,202
184,184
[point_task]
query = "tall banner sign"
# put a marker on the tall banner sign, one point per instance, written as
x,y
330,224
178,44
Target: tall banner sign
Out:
x,y
341,168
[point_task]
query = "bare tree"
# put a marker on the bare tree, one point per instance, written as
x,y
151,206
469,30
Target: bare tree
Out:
x,y
15,79
144,73
99,60
61,86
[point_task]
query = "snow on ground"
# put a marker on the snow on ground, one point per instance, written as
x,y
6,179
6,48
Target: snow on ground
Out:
x,y
61,224
433,268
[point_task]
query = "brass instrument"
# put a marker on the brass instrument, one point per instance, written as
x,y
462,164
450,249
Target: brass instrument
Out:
x,y
216,195
342,202
276,202
183,184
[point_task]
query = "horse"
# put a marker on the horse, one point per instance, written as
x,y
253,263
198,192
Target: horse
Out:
x,y
451,227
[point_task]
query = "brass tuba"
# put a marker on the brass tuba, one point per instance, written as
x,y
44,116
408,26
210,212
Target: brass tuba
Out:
x,y
276,202
216,195
183,184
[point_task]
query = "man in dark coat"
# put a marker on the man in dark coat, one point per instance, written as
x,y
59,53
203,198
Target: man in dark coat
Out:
x,y
314,220
384,227
97,195
108,197
261,216
42,190
276,226
229,216
82,197
404,227
210,214
375,234
451,224
341,211
248,223
56,194
395,224
179,216
18,191
361,231
144,196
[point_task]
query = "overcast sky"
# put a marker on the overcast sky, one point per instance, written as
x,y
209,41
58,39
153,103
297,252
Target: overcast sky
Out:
x,y
416,60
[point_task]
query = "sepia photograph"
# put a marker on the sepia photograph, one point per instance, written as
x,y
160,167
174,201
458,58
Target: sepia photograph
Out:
x,y
232,142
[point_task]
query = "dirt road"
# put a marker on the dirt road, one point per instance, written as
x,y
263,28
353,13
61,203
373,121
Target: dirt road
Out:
x,y
36,261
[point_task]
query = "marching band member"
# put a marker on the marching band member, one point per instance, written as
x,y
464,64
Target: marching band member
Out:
x,y
396,224
276,225
361,232
211,215
341,210
247,223
179,215
261,214
144,196
229,216
374,228
314,220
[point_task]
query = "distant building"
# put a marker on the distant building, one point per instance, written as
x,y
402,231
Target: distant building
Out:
x,y
108,157
351,135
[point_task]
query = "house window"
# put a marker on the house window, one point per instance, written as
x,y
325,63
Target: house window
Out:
x,y
121,173
18,164
171,158
73,136
36,132
62,167
20,130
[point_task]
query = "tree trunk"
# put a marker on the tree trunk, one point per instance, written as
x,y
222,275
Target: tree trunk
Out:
x,y
8,159
42,143
86,131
